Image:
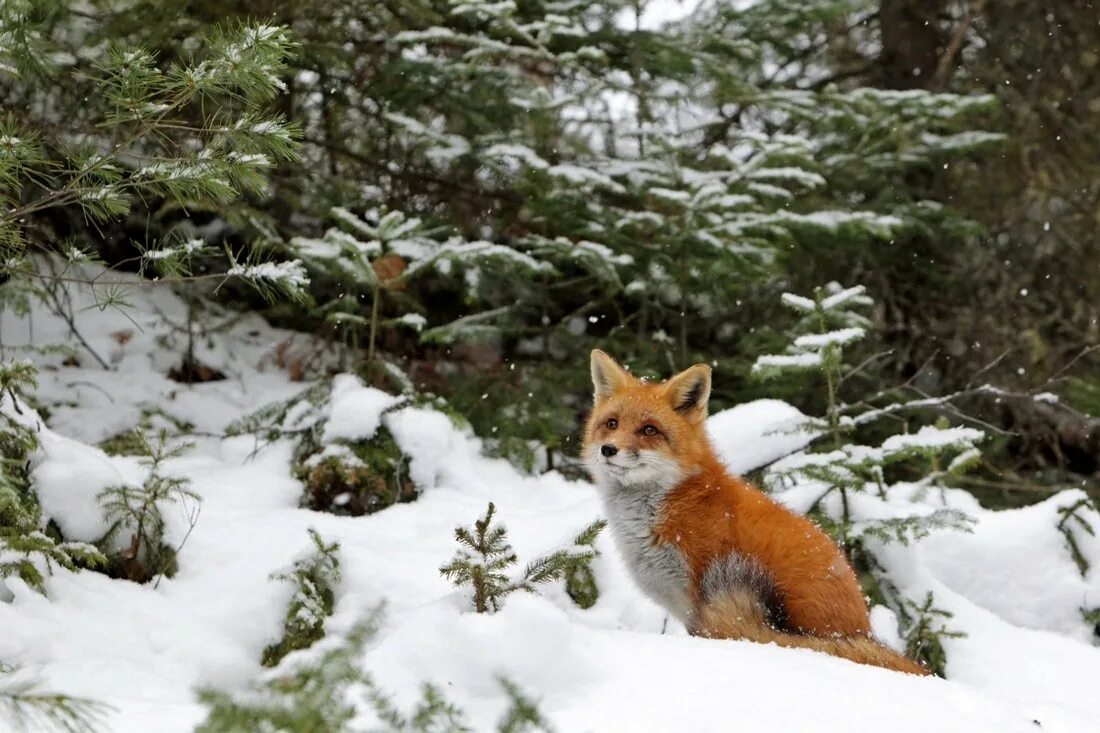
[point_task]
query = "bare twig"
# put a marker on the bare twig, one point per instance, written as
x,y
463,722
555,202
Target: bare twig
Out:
x,y
988,367
859,367
1058,375
53,302
943,68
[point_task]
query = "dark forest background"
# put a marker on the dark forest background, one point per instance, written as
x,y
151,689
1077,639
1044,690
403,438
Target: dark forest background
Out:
x,y
942,154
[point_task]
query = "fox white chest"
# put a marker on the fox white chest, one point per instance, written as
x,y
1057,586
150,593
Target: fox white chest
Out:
x,y
659,569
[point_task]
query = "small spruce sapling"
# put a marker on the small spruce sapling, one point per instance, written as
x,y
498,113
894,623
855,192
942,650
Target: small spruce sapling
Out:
x,y
486,556
316,578
924,627
136,516
328,692
482,562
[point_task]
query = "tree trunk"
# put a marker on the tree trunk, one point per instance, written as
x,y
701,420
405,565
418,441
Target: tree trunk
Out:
x,y
912,42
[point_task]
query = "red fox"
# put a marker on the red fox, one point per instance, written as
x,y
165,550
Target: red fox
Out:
x,y
718,554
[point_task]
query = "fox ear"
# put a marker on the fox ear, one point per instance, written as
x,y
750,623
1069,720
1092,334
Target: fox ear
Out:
x,y
689,391
607,376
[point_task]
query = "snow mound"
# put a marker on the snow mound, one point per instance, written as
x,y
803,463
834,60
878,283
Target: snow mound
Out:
x,y
757,433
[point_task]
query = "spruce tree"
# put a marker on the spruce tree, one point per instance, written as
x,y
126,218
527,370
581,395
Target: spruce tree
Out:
x,y
187,132
315,577
135,540
820,341
486,556
521,181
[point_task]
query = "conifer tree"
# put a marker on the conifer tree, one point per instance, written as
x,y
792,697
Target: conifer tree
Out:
x,y
829,323
189,132
573,178
135,540
486,555
482,562
315,578
329,692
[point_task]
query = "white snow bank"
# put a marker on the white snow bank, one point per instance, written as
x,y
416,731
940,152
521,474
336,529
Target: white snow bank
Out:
x,y
756,433
68,476
619,680
1027,583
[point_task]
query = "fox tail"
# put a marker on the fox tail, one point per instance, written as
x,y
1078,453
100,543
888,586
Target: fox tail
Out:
x,y
739,601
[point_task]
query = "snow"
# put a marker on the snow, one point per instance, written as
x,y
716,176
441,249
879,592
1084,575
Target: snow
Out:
x,y
821,340
519,152
414,321
754,434
1025,586
292,273
584,177
800,175
68,476
837,299
931,437
798,302
780,361
1012,584
355,411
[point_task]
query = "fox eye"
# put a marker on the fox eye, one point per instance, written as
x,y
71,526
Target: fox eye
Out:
x,y
649,430
612,424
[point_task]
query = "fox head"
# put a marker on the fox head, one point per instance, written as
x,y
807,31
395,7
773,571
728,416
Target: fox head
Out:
x,y
645,433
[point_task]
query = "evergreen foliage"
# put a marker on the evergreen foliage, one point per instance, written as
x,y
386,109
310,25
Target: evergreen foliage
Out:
x,y
501,186
925,627
189,130
31,711
135,540
482,562
466,195
133,442
1071,521
28,550
486,556
830,323
341,476
523,714
326,692
315,578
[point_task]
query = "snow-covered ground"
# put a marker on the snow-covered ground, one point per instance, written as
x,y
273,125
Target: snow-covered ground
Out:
x,y
620,666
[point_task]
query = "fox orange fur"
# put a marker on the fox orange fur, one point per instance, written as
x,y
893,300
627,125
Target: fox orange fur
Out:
x,y
719,554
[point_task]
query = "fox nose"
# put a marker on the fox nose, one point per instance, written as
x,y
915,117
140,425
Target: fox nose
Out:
x,y
608,450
